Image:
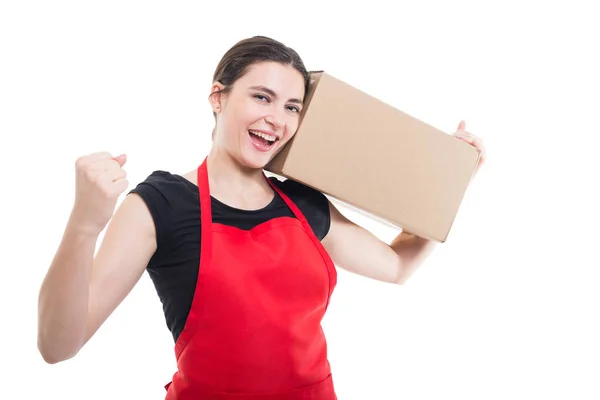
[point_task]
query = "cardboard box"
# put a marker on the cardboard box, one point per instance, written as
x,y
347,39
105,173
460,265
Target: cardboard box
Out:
x,y
377,159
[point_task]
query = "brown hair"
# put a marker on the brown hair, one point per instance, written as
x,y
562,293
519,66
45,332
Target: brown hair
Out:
x,y
238,59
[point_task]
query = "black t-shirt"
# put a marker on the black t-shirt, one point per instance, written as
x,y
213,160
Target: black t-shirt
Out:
x,y
174,204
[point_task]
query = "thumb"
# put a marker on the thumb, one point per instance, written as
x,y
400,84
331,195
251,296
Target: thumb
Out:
x,y
122,159
462,125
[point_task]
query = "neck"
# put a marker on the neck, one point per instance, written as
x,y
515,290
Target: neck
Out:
x,y
229,178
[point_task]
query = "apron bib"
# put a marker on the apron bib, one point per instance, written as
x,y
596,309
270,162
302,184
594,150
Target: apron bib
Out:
x,y
254,329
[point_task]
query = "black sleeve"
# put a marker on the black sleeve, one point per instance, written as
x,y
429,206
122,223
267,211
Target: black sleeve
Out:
x,y
313,204
154,190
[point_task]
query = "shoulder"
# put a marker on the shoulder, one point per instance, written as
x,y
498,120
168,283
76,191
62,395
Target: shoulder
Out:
x,y
164,184
165,194
160,179
313,204
300,192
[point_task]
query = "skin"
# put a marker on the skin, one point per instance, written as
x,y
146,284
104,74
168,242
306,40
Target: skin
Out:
x,y
81,291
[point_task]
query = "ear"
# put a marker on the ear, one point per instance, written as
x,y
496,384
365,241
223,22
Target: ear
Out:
x,y
216,100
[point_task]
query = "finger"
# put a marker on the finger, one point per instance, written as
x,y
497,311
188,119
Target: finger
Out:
x,y
465,138
482,160
91,159
121,159
479,143
112,183
109,164
470,138
116,174
100,155
462,134
462,125
483,154
120,185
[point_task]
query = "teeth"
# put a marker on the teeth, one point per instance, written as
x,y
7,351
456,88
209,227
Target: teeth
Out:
x,y
264,136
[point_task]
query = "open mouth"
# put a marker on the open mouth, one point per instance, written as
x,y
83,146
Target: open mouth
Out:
x,y
262,139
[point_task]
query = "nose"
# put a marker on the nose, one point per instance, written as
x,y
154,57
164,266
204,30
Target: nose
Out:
x,y
276,123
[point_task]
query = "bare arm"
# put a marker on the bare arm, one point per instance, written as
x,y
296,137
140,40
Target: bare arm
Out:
x,y
80,291
359,251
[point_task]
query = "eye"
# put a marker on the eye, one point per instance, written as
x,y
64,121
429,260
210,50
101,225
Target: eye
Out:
x,y
294,109
261,97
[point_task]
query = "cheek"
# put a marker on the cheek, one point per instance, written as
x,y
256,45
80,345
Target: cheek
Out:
x,y
241,113
292,127
250,114
289,134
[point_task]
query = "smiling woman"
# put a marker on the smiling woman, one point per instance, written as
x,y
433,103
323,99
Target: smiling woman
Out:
x,y
245,319
244,265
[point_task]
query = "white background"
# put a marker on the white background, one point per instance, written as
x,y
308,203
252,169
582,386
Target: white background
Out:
x,y
507,308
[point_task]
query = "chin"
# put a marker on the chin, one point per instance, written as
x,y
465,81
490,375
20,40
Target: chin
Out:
x,y
252,158
253,161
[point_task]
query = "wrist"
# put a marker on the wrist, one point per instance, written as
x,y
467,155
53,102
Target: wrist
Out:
x,y
81,226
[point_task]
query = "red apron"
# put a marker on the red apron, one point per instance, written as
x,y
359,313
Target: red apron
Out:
x,y
254,329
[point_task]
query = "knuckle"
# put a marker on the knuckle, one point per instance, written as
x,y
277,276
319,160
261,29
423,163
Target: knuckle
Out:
x,y
103,154
91,175
80,162
117,173
117,189
106,191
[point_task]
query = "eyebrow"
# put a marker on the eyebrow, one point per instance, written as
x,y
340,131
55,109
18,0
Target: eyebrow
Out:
x,y
273,94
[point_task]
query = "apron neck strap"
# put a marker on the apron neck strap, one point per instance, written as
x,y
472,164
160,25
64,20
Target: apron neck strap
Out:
x,y
288,201
205,199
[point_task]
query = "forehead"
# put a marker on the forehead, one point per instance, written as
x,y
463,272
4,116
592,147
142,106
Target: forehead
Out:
x,y
284,80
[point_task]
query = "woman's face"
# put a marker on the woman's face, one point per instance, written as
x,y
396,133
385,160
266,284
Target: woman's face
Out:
x,y
260,114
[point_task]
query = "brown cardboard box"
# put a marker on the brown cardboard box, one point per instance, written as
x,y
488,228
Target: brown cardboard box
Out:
x,y
377,159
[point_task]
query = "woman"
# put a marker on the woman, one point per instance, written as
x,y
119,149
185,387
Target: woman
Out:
x,y
244,265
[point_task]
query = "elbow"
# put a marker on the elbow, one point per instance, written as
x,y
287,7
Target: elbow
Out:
x,y
53,354
400,280
49,358
52,357
404,275
400,275
404,270
56,344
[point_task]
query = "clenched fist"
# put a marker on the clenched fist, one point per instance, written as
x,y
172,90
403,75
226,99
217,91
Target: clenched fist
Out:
x,y
100,179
